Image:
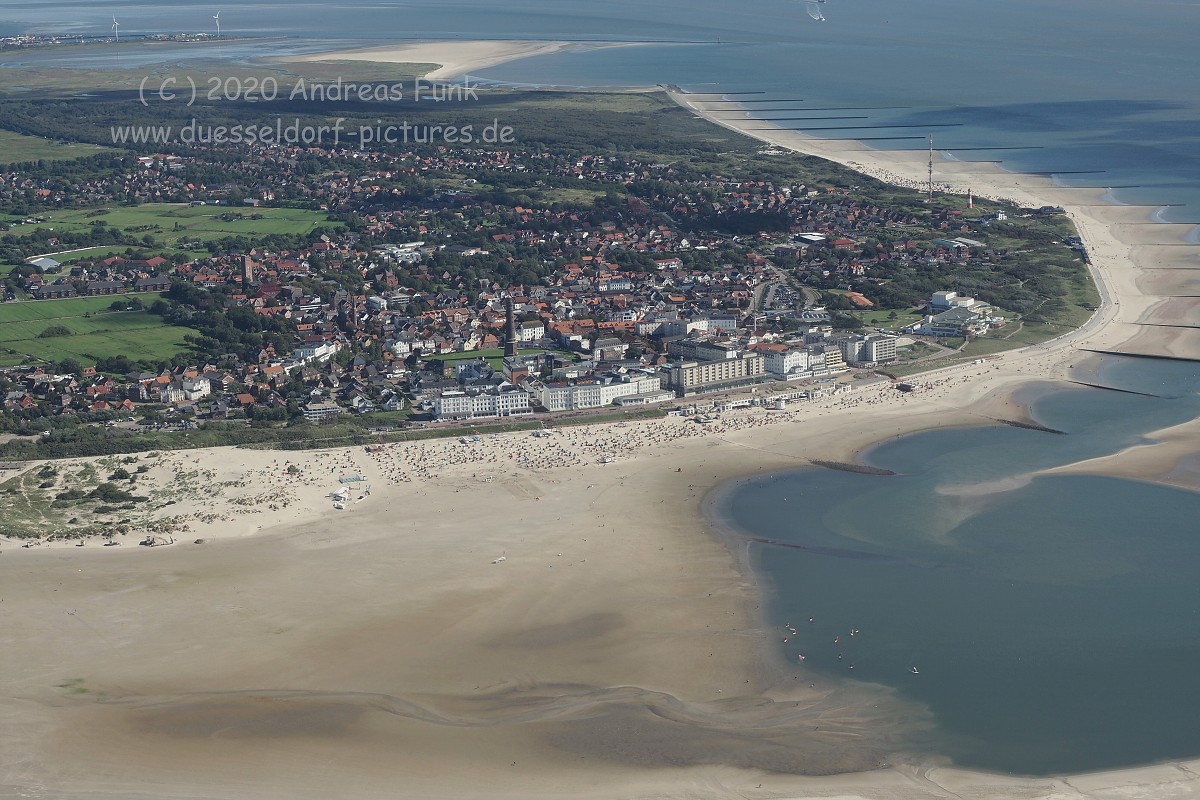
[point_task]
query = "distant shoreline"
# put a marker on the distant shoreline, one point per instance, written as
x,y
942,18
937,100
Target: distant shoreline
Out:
x,y
455,58
100,44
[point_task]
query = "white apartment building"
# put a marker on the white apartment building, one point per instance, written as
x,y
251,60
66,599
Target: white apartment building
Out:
x,y
782,364
616,283
601,391
321,410
195,388
530,331
170,394
702,350
723,323
505,400
690,377
868,349
623,315
825,357
880,349
319,352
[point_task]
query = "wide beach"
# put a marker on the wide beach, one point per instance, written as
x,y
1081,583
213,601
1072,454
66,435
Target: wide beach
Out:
x,y
455,59
513,617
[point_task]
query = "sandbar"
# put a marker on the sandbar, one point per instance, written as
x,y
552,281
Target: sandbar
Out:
x,y
455,59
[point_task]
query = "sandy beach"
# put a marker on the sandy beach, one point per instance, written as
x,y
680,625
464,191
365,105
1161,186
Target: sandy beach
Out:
x,y
513,608
455,59
514,617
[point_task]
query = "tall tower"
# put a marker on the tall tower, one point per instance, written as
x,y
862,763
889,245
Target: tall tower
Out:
x,y
510,331
931,167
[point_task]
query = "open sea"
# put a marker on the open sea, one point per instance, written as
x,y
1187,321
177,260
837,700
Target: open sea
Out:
x,y
1055,625
1105,90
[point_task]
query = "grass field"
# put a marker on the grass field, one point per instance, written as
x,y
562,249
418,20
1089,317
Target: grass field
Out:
x,y
173,225
96,332
581,197
58,309
16,148
882,318
93,253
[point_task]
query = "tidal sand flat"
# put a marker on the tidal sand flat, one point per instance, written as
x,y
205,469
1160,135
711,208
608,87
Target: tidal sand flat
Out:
x,y
455,59
579,623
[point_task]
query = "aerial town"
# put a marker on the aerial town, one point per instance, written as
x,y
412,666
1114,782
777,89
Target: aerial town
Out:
x,y
461,304
491,401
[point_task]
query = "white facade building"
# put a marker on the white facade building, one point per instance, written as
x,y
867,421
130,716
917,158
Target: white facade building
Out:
x,y
505,400
321,410
944,301
531,331
787,362
868,349
691,377
880,349
319,352
195,388
593,394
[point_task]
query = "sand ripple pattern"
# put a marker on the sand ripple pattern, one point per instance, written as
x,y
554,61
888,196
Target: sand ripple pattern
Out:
x,y
822,733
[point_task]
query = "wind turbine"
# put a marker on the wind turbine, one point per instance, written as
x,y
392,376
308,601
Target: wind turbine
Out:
x,y
116,29
217,19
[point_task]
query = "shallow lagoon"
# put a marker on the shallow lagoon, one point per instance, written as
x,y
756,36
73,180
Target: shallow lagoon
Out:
x,y
1054,621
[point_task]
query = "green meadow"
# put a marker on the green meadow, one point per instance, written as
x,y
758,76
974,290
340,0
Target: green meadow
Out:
x,y
95,332
174,225
17,148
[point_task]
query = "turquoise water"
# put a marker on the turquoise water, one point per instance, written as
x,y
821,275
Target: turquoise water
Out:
x,y
1054,624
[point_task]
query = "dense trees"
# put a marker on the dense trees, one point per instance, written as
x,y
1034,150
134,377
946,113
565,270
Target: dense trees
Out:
x,y
235,330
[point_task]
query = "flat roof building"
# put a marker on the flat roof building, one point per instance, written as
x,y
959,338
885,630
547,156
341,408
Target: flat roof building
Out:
x,y
693,377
